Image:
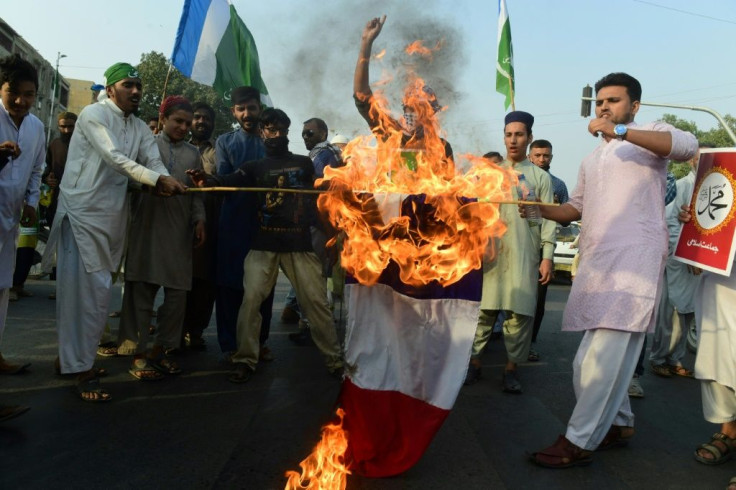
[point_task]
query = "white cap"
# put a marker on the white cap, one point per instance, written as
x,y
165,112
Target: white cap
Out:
x,y
339,139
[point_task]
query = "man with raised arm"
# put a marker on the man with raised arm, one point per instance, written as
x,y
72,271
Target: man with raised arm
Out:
x,y
620,195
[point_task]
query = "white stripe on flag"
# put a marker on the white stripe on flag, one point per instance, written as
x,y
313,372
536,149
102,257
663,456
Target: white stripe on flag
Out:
x,y
215,24
503,17
419,347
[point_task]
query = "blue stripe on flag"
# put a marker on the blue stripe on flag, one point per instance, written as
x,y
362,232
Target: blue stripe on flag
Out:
x,y
188,35
468,288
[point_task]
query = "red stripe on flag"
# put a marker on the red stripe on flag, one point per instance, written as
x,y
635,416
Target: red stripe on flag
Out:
x,y
388,431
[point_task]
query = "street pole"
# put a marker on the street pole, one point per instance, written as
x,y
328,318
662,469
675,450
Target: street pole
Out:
x,y
54,85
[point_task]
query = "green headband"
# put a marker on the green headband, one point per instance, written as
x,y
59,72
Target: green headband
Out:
x,y
120,71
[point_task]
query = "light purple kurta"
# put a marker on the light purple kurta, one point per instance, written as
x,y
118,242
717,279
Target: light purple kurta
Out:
x,y
623,243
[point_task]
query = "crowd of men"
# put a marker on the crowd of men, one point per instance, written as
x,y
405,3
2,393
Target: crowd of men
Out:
x,y
120,198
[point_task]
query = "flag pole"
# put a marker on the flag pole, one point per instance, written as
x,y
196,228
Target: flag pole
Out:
x,y
163,95
323,191
511,93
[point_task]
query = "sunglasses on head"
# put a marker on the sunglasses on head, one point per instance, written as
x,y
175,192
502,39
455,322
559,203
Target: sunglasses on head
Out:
x,y
307,134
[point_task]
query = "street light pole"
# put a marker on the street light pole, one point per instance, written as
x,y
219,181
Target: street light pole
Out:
x,y
54,85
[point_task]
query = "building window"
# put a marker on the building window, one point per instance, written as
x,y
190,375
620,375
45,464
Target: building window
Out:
x,y
64,96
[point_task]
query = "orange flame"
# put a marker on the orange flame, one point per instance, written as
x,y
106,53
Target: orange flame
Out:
x,y
380,54
418,47
452,236
325,468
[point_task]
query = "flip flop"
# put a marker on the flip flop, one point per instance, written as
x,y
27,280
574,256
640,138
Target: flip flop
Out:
x,y
165,366
144,372
92,385
108,349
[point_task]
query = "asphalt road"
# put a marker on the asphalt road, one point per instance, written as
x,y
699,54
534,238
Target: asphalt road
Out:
x,y
200,431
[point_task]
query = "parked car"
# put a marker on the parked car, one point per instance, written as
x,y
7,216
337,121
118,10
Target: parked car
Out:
x,y
564,252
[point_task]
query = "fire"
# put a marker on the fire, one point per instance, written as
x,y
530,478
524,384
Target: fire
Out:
x,y
380,54
325,468
418,47
452,234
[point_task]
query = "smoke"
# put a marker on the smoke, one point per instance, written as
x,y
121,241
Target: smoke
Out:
x,y
316,78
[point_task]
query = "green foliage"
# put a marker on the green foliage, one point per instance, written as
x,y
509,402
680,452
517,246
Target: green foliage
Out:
x,y
153,68
717,137
679,169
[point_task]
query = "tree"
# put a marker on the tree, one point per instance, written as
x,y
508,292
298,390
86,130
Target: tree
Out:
x,y
153,68
716,137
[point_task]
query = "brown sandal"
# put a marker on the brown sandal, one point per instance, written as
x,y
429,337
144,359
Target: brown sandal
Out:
x,y
562,454
615,438
681,371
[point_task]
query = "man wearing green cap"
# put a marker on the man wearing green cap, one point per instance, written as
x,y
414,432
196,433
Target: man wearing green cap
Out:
x,y
110,148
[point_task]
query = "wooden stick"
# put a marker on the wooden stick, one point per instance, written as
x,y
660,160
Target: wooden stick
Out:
x,y
319,191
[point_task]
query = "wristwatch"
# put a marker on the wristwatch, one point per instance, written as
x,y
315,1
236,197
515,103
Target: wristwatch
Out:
x,y
620,131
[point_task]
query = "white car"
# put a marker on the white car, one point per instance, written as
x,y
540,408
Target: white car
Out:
x,y
564,251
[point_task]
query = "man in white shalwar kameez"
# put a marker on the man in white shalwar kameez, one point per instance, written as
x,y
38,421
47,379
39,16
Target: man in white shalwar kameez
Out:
x,y
678,293
715,363
22,155
109,148
620,197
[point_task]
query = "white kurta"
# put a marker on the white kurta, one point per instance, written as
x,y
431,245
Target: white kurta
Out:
x,y
716,320
107,150
19,183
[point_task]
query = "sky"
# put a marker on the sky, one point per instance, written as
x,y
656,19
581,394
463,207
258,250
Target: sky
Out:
x,y
677,49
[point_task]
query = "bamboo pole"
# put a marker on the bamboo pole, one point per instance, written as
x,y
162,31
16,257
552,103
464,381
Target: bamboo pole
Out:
x,y
318,191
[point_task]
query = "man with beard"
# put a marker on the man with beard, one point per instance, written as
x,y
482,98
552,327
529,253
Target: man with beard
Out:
x,y
110,147
56,160
202,128
623,246
540,154
238,222
282,239
201,298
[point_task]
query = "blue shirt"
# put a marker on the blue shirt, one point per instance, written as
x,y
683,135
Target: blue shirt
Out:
x,y
559,190
238,212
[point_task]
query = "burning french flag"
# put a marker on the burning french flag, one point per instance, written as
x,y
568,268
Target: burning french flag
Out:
x,y
407,351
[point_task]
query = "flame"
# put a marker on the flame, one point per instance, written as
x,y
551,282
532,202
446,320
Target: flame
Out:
x,y
451,236
379,55
418,47
325,468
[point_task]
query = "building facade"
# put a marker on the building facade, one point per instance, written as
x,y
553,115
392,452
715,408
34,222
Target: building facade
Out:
x,y
48,104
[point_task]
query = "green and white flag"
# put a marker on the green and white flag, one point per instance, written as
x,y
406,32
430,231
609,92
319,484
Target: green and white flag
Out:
x,y
505,62
214,47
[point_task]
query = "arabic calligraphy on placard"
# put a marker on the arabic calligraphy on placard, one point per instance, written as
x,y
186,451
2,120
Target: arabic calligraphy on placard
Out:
x,y
713,206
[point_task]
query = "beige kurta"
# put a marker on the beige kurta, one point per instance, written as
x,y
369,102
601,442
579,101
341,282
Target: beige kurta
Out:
x,y
162,228
510,280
